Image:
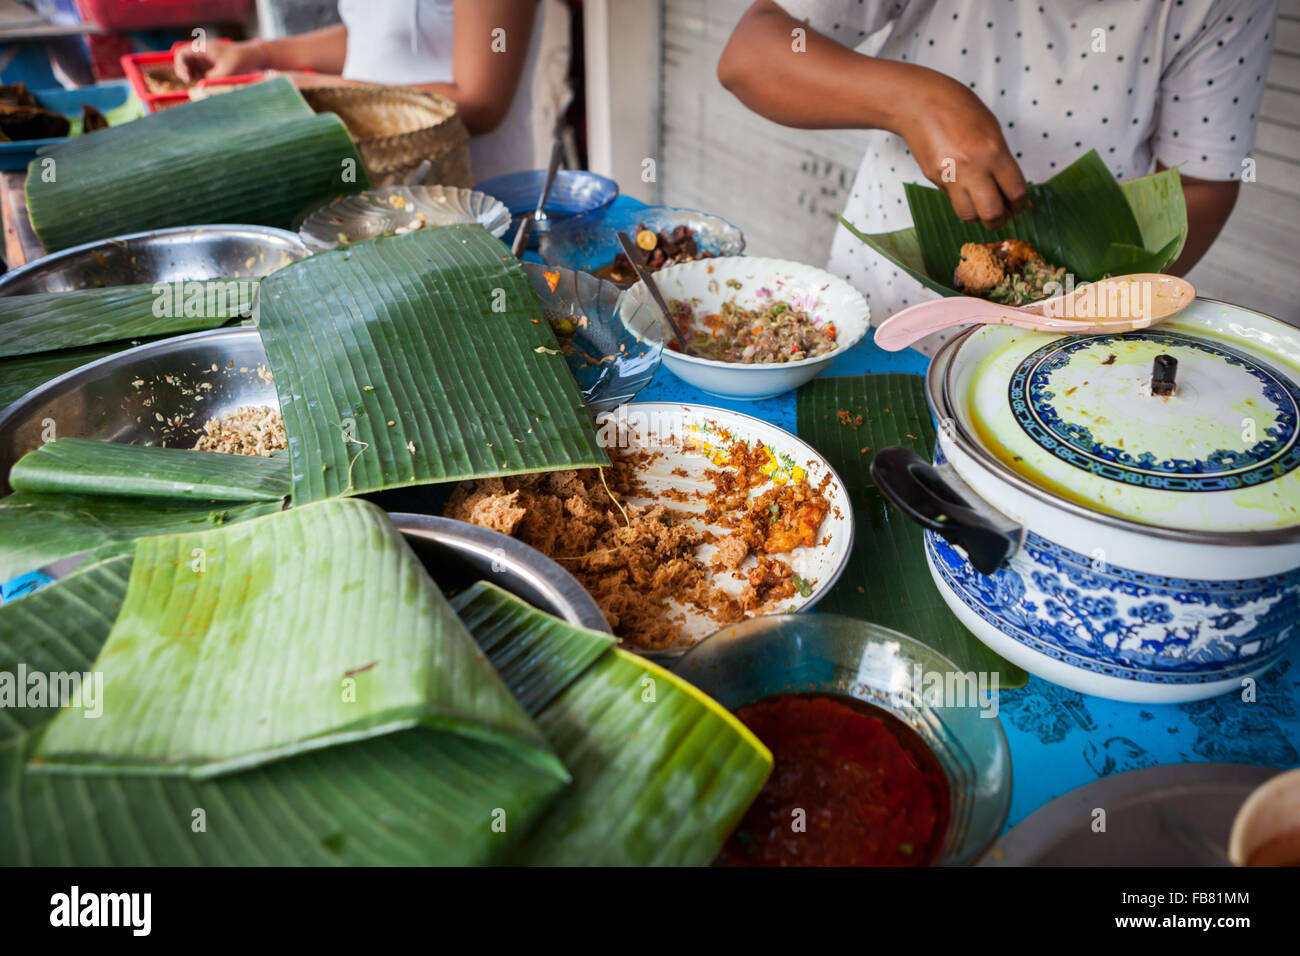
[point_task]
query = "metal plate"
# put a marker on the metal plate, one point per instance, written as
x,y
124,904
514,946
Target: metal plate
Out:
x,y
458,554
1143,810
161,255
162,392
159,393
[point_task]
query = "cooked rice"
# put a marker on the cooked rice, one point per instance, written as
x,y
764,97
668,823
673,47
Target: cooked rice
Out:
x,y
248,430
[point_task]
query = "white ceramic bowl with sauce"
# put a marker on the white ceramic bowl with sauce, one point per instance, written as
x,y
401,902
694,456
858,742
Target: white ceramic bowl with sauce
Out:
x,y
752,282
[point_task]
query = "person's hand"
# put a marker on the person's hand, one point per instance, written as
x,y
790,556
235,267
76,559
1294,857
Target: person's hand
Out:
x,y
958,144
218,60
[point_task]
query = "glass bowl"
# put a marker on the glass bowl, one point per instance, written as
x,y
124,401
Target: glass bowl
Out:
x,y
378,212
833,654
575,192
588,242
609,361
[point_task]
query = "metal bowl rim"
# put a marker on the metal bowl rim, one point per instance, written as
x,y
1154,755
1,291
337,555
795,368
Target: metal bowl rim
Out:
x,y
512,552
51,260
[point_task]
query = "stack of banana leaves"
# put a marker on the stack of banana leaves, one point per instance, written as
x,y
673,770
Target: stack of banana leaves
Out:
x,y
256,155
254,667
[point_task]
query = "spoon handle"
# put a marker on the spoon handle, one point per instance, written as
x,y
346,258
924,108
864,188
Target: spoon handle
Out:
x,y
925,318
634,256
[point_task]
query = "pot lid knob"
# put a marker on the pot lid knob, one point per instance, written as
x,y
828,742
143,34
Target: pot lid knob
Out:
x,y
1163,371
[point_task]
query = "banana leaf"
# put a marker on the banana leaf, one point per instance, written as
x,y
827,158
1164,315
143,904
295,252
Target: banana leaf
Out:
x,y
1081,218
22,373
415,359
86,467
37,529
254,155
420,797
536,654
48,321
887,580
661,773
299,631
58,629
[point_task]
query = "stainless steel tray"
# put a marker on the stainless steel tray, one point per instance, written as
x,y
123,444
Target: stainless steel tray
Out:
x,y
159,393
161,255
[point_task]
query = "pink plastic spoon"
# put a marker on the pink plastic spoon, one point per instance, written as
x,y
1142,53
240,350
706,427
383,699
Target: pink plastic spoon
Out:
x,y
1117,304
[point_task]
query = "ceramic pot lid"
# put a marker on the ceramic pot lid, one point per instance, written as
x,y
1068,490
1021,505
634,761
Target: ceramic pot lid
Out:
x,y
1079,416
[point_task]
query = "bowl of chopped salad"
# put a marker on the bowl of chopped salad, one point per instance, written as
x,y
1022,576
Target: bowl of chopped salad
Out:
x,y
753,327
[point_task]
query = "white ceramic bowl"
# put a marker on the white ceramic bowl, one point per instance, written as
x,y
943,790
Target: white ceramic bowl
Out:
x,y
1270,815
705,284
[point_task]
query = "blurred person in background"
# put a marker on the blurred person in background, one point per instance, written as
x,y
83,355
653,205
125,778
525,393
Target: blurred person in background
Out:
x,y
503,62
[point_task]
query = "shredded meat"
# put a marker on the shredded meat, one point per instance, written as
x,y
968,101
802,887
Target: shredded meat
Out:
x,y
635,561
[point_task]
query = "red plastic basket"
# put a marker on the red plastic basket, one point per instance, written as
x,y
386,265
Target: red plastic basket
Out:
x,y
126,15
135,65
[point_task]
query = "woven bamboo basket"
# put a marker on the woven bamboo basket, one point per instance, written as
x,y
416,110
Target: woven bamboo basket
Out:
x,y
396,129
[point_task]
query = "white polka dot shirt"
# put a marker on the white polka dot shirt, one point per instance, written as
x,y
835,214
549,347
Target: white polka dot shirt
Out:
x,y
1178,81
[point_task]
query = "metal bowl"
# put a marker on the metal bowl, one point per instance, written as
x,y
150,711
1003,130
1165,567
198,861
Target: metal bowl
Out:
x,y
588,242
159,393
457,554
832,654
373,213
610,362
161,255
163,392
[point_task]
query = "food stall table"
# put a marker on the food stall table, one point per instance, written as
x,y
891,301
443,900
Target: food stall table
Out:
x,y
1061,739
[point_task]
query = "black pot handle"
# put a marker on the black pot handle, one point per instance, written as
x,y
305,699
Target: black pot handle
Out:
x,y
920,491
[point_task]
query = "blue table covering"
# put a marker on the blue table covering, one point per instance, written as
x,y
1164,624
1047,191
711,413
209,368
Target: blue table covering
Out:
x,y
1061,739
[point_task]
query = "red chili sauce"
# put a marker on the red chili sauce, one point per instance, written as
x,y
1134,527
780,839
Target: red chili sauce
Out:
x,y
871,791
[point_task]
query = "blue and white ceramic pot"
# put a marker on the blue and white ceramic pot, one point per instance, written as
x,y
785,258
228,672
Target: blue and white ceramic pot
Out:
x,y
1104,529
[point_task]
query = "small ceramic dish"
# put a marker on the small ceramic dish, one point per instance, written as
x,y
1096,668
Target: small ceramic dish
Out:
x,y
589,242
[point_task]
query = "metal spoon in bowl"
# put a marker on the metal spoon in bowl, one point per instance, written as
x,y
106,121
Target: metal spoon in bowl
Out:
x,y
634,256
539,214
1117,304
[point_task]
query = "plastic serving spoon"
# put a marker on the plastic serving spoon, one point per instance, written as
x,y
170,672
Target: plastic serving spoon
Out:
x,y
1117,304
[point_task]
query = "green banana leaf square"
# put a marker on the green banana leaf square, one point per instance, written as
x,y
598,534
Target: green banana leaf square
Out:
x,y
1081,218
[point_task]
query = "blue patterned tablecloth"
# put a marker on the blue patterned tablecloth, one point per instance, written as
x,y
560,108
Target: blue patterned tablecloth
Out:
x,y
1061,739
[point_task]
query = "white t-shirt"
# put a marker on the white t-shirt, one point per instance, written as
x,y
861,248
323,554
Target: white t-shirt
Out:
x,y
412,41
1179,81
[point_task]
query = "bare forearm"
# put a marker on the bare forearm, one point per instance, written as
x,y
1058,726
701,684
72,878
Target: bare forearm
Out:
x,y
322,50
1209,204
789,73
794,76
